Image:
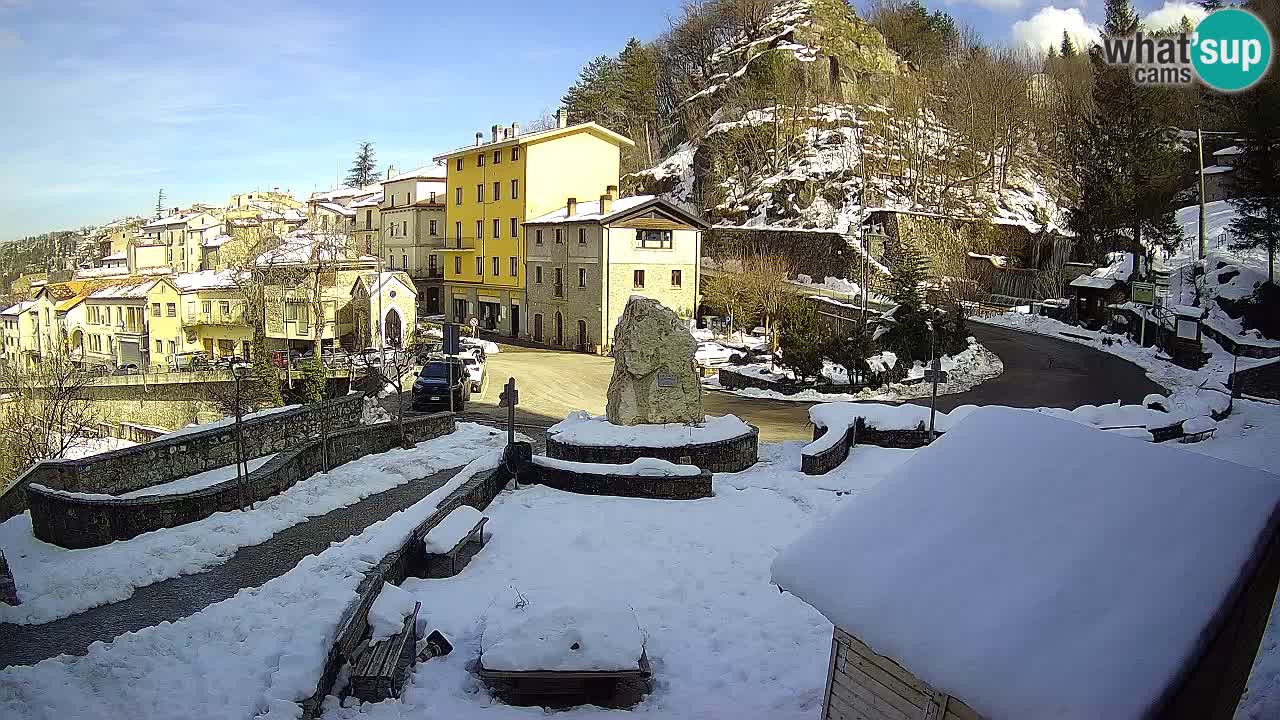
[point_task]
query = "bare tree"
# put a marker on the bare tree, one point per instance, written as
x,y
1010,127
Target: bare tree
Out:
x,y
392,369
46,410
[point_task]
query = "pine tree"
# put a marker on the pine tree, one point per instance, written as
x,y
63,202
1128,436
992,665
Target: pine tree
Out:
x,y
1120,18
596,96
363,170
1257,174
160,203
909,270
1068,49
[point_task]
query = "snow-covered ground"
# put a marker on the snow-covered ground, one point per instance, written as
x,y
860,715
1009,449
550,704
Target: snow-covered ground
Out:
x,y
54,582
965,371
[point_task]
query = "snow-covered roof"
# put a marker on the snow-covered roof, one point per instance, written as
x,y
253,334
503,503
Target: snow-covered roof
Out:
x,y
99,272
345,192
1226,151
373,199
434,171
123,291
114,256
589,211
302,247
19,308
1082,571
204,280
294,215
216,242
181,218
374,282
336,209
1105,278
528,137
1217,169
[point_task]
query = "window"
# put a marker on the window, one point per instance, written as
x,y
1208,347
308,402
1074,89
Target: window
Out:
x,y
480,266
515,189
159,347
171,309
582,236
515,153
515,227
497,190
479,192
537,274
659,239
537,235
497,157
457,199
559,286
173,347
582,277
204,307
457,232
404,262
480,160
515,267
433,228
393,199
558,238
224,307
637,279
457,265
497,268
459,163
479,229
497,228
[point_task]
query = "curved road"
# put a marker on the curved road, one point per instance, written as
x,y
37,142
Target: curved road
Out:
x,y
1039,371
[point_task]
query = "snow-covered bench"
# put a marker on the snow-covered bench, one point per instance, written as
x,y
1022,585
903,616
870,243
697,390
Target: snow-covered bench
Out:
x,y
451,535
379,670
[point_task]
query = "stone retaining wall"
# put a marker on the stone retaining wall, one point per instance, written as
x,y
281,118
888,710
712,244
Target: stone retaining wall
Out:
x,y
1261,381
734,380
161,461
907,439
657,487
821,462
1239,346
8,588
732,455
407,560
80,522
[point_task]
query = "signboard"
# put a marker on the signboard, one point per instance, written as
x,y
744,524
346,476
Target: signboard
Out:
x,y
1142,293
474,324
666,379
1188,329
450,339
932,375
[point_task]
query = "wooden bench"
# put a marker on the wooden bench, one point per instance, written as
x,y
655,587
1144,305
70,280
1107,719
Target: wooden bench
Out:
x,y
615,689
451,535
378,671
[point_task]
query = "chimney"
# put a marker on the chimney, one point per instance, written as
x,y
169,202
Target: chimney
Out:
x,y
606,204
571,207
562,118
612,191
494,130
479,139
515,129
389,171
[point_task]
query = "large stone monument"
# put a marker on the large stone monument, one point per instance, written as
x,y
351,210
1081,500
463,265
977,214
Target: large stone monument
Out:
x,y
654,377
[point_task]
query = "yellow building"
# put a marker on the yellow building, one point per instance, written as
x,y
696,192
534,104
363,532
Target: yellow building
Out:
x,y
20,326
114,332
493,188
183,234
199,311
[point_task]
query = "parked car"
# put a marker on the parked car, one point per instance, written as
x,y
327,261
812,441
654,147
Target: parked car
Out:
x,y
432,388
230,362
474,364
126,369
710,353
285,358
187,361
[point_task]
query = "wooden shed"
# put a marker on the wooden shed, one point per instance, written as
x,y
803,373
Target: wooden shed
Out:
x,y
1026,566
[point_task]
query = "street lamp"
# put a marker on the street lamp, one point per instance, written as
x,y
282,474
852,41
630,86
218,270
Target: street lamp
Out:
x,y
238,372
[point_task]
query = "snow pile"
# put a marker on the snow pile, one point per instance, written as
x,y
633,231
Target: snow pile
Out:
x,y
389,609
1070,595
883,361
1114,415
648,467
262,649
54,582
1199,424
581,428
841,415
452,529
372,413
562,637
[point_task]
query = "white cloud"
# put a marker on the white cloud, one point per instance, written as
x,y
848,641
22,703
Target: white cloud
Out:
x,y
1171,14
993,5
1044,29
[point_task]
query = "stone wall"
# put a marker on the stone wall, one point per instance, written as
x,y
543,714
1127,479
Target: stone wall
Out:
x,y
824,460
816,254
407,560
8,588
907,439
1260,381
653,487
1240,346
80,522
154,463
732,455
734,380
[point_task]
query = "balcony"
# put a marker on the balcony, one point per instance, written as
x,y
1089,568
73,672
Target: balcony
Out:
x,y
458,245
435,273
234,317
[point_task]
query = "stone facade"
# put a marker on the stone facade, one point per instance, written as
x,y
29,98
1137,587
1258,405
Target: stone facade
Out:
x,y
154,463
654,378
636,486
732,455
80,522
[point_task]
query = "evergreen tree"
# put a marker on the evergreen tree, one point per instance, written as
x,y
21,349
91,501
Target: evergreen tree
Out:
x,y
1257,174
160,203
1068,49
363,170
1211,5
1121,19
909,271
597,96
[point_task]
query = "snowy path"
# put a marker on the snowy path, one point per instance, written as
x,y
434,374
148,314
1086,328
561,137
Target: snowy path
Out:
x,y
170,600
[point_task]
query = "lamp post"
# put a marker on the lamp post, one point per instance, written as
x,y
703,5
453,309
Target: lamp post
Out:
x,y
237,373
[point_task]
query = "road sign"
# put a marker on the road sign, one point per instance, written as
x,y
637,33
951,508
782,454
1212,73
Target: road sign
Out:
x,y
935,376
474,324
450,339
1143,293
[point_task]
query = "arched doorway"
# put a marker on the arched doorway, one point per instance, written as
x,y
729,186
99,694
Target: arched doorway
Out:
x,y
583,340
537,327
75,344
391,327
559,329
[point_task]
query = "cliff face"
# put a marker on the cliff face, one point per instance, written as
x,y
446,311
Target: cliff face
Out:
x,y
811,121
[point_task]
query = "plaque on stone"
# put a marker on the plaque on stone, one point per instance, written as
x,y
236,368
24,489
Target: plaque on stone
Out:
x,y
666,379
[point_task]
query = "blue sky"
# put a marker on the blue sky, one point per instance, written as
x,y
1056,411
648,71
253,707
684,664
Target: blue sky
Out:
x,y
109,100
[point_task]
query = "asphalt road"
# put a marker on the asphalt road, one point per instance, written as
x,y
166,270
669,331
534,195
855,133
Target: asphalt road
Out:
x,y
1040,371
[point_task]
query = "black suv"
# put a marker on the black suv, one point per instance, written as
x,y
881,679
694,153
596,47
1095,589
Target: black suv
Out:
x,y
431,388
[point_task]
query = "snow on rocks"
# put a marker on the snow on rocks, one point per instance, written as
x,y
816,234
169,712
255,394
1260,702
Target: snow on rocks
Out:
x,y
389,609
1115,582
1200,424
581,428
568,636
260,651
54,582
648,467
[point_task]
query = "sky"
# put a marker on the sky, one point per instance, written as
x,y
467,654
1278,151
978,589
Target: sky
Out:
x,y
108,101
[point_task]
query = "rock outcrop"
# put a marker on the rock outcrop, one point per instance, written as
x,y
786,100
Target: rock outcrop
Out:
x,y
654,378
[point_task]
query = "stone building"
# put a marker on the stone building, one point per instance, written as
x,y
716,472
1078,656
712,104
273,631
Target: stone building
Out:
x,y
412,235
586,260
397,307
